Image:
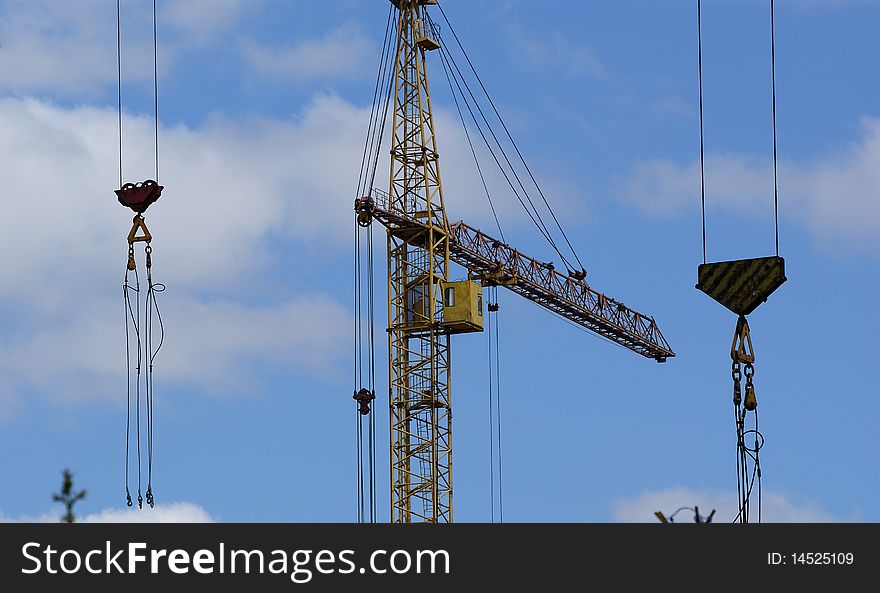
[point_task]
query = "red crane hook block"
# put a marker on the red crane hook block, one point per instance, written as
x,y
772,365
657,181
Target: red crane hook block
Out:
x,y
139,196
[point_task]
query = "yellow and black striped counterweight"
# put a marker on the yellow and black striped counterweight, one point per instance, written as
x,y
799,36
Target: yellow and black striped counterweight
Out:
x,y
743,284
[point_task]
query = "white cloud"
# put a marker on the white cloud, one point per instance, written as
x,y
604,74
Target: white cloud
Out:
x,y
239,195
776,507
342,53
559,53
10,400
837,198
202,20
175,512
242,196
218,347
69,48
231,186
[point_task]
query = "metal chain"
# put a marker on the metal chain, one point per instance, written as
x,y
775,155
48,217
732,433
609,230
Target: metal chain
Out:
x,y
736,372
751,401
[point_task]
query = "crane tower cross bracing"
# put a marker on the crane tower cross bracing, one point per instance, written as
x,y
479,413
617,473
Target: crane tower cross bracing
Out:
x,y
421,243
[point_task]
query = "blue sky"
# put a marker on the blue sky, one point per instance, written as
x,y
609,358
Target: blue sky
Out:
x,y
264,106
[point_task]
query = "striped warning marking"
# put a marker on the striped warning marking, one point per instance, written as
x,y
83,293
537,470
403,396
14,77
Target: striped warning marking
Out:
x,y
741,285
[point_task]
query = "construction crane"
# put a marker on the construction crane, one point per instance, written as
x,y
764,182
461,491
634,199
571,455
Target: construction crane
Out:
x,y
426,307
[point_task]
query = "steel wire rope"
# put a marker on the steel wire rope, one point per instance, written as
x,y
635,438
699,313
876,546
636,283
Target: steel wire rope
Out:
x,y
498,408
134,319
491,417
510,136
473,150
369,164
374,108
534,216
702,152
774,125
156,88
775,159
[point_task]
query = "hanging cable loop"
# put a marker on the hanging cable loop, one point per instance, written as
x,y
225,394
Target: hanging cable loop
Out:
x,y
742,365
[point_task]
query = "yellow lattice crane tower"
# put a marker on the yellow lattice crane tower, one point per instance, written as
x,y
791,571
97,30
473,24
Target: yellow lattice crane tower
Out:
x,y
426,308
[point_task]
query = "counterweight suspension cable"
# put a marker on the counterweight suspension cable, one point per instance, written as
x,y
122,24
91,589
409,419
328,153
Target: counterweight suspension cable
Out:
x,y
702,149
775,159
774,125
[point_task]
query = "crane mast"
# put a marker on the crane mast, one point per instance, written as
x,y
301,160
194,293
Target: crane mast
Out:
x,y
418,265
423,309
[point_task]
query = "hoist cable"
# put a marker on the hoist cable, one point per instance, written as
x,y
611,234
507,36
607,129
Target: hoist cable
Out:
x,y
510,136
156,87
381,130
775,163
491,420
498,410
378,111
382,99
702,152
357,305
119,81
360,480
372,376
374,108
494,349
358,374
365,372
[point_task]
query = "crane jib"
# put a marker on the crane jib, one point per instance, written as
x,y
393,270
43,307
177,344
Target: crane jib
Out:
x,y
495,262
